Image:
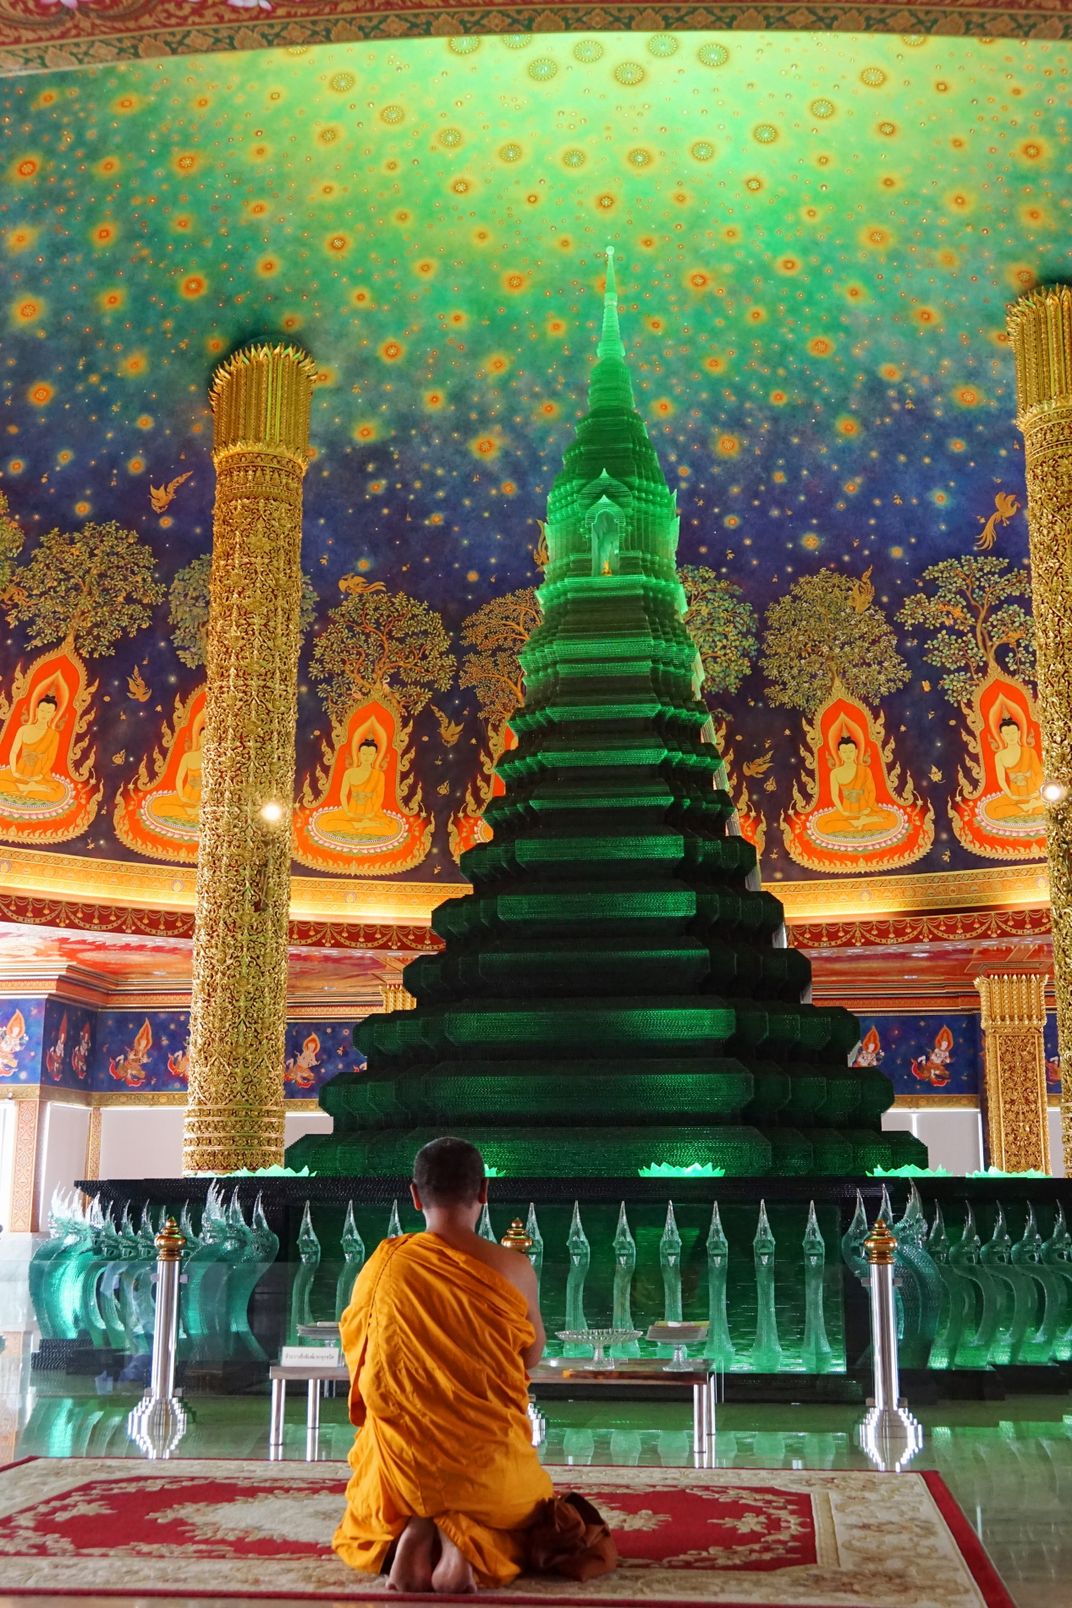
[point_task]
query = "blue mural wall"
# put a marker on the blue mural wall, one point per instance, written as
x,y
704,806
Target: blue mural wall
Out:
x,y
50,1042
60,1045
926,1055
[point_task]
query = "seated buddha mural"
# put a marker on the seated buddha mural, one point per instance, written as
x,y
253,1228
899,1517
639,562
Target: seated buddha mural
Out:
x,y
361,815
854,819
47,788
1003,815
159,816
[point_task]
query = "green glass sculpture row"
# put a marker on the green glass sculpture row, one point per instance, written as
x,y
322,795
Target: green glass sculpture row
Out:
x,y
768,1281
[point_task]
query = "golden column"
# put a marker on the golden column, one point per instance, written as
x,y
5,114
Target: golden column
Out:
x,y
1041,329
1017,1118
260,402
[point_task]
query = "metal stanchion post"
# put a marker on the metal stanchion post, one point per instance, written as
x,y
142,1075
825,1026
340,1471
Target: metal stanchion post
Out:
x,y
158,1422
889,1433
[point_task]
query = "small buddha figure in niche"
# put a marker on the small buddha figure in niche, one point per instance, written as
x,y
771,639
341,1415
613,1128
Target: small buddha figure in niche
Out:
x,y
33,753
852,790
1019,773
606,528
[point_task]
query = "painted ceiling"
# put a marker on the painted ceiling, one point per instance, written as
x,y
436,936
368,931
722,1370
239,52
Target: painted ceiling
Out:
x,y
817,238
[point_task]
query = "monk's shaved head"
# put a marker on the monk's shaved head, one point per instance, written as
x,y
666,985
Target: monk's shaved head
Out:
x,y
448,1172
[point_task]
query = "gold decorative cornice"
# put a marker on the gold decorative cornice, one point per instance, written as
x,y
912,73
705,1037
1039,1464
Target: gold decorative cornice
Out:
x,y
936,1102
33,39
828,899
116,887
126,883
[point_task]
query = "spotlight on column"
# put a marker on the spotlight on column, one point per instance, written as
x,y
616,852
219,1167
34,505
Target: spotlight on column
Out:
x,y
272,812
1054,792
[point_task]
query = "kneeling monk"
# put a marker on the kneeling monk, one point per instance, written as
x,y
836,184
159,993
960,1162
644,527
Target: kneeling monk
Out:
x,y
438,1335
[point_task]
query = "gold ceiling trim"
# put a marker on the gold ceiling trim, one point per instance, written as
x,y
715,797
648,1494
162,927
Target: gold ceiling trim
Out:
x,y
936,1102
39,38
77,890
128,883
989,887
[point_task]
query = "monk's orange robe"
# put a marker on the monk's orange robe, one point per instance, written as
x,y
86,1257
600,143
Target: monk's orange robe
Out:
x,y
433,1340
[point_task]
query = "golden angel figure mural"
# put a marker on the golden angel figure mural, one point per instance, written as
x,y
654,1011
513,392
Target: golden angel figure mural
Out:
x,y
13,1039
300,1069
78,595
976,612
129,1066
829,652
378,660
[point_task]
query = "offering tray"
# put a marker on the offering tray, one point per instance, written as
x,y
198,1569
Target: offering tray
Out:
x,y
680,1336
599,1340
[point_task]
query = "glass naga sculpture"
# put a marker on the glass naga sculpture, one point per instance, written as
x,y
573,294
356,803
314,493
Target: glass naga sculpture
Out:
x,y
616,956
624,1268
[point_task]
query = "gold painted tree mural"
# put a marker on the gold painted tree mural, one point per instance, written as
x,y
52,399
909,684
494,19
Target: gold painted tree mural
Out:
x,y
493,637
825,632
723,625
375,641
11,542
188,604
974,612
88,590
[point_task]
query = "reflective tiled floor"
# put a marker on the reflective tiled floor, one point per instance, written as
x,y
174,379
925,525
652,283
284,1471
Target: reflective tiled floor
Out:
x,y
1009,1464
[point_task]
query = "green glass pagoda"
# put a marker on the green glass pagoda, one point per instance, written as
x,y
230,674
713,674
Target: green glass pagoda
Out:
x,y
612,992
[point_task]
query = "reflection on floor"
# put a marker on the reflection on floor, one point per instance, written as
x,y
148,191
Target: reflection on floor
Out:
x,y
1009,1464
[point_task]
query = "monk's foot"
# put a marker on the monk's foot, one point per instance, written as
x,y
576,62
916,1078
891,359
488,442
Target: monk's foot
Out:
x,y
412,1566
453,1574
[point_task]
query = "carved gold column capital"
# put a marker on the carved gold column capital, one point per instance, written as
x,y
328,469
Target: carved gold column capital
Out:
x,y
1008,999
1013,1016
1040,327
260,403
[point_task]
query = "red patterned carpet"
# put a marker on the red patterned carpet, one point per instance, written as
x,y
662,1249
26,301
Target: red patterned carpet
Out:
x,y
749,1537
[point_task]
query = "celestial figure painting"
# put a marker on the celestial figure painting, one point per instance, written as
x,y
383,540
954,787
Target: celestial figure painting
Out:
x,y
933,1065
869,1050
367,819
55,1052
300,1069
48,791
130,1067
159,818
859,816
13,1038
1000,812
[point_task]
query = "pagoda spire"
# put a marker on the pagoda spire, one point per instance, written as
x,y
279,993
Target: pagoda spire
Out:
x,y
610,386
